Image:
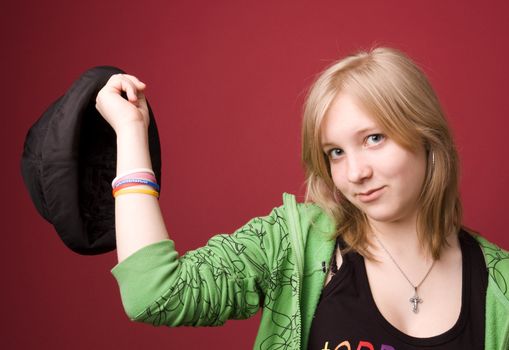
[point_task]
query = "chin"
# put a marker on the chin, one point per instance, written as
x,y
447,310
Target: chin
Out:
x,y
386,217
381,218
383,215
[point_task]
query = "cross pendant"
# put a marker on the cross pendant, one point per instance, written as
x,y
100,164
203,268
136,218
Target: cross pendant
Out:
x,y
415,300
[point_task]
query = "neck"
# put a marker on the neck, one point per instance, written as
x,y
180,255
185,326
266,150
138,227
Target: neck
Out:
x,y
400,237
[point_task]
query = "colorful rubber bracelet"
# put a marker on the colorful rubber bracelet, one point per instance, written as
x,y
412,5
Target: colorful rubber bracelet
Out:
x,y
132,171
137,190
137,181
146,176
131,185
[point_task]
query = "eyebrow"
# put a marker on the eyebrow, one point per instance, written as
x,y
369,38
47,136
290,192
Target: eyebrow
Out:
x,y
358,132
328,145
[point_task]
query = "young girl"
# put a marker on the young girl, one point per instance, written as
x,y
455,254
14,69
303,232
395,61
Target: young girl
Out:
x,y
375,259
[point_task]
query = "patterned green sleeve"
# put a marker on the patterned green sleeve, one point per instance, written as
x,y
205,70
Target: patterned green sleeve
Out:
x,y
226,279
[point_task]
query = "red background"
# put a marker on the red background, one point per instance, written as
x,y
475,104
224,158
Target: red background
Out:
x,y
226,80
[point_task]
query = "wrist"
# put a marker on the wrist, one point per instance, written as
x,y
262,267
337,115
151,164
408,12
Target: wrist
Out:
x,y
136,127
133,147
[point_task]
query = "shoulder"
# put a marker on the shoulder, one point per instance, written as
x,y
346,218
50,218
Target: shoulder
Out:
x,y
497,263
492,251
308,216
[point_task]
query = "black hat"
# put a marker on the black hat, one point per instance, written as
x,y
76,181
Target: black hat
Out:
x,y
68,163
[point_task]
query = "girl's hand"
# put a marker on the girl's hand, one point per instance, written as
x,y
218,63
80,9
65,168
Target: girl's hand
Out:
x,y
118,111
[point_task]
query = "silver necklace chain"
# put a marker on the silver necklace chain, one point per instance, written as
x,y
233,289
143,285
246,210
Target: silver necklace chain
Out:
x,y
415,300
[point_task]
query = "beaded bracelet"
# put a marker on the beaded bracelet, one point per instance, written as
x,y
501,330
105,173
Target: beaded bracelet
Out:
x,y
145,176
136,181
132,172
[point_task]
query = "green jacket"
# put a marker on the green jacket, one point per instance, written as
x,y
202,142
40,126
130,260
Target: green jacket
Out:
x,y
273,262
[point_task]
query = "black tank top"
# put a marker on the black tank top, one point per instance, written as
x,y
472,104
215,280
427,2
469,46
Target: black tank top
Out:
x,y
347,317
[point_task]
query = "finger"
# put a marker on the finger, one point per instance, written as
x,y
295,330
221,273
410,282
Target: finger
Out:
x,y
130,90
125,83
139,84
142,102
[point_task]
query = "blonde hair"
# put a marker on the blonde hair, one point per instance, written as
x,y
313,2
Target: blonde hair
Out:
x,y
392,89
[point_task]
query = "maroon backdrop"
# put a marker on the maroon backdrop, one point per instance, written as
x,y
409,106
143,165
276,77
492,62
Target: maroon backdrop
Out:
x,y
226,80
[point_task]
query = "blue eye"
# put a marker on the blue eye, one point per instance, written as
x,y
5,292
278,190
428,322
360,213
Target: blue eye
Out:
x,y
374,139
334,153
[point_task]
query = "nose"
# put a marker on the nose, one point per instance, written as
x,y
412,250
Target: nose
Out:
x,y
358,169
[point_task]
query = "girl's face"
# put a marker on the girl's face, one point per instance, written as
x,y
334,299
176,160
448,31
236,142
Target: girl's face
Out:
x,y
377,175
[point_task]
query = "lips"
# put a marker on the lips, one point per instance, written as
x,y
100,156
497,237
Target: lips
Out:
x,y
370,195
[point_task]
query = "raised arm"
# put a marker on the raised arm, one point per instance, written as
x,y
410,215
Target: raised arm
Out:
x,y
138,217
231,277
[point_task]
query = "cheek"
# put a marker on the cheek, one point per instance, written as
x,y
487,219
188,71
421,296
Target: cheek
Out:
x,y
410,170
339,179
